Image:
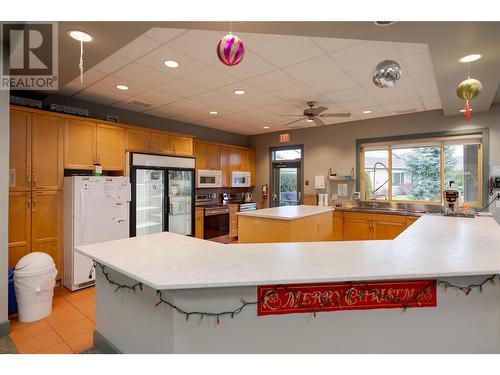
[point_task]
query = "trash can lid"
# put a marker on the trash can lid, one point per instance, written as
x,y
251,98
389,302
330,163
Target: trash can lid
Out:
x,y
34,264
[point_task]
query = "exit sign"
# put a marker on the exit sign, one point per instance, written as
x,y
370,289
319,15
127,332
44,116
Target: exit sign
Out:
x,y
285,138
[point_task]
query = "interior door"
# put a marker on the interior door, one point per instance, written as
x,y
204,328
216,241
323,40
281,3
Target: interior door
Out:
x,y
287,188
180,201
148,201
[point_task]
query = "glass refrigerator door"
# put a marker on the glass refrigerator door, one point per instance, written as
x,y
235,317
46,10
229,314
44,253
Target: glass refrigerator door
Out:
x,y
180,195
149,201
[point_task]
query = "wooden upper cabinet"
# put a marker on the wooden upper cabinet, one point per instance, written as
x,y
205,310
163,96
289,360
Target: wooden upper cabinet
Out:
x,y
19,226
46,209
79,144
20,151
207,155
225,166
137,140
161,143
182,146
111,147
46,152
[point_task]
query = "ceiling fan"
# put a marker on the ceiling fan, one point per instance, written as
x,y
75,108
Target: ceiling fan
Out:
x,y
315,115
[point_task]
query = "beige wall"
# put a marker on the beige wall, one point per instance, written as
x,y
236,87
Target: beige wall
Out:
x,y
334,146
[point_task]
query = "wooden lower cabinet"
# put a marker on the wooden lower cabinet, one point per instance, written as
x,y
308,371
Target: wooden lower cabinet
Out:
x,y
35,225
338,225
366,226
19,226
233,221
199,222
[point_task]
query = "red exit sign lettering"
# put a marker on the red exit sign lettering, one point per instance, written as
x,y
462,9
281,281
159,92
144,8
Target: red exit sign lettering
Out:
x,y
284,138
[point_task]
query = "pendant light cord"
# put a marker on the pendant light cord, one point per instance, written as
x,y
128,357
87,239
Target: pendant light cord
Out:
x,y
81,63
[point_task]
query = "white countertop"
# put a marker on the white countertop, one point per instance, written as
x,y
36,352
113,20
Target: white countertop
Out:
x,y
434,246
287,212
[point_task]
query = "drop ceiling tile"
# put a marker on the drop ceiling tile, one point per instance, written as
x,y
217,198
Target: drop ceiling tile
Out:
x,y
332,83
273,81
109,83
424,79
236,106
362,76
346,95
334,44
252,40
418,63
142,74
111,64
212,98
284,108
250,90
258,114
314,69
432,102
155,96
137,48
165,111
411,106
210,78
99,95
182,87
133,104
156,60
198,44
262,100
367,54
295,92
376,112
404,84
163,35
396,96
187,105
410,49
288,50
251,66
360,104
89,77
428,91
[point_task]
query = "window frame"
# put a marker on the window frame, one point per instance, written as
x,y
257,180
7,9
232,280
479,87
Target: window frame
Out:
x,y
387,144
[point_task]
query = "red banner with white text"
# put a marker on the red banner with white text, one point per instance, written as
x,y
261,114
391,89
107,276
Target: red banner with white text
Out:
x,y
313,298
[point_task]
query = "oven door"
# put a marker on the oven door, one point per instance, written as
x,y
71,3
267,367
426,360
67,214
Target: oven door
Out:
x,y
216,226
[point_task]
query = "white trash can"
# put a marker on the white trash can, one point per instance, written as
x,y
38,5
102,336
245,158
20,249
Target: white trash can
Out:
x,y
34,280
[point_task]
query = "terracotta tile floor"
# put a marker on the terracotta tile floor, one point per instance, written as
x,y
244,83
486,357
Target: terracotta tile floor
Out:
x,y
67,330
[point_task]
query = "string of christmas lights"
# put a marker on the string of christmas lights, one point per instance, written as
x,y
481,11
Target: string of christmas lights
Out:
x,y
337,302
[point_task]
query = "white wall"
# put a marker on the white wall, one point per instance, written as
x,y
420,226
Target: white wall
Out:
x,y
4,200
334,146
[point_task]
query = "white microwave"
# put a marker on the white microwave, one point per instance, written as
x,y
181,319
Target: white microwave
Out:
x,y
208,178
240,179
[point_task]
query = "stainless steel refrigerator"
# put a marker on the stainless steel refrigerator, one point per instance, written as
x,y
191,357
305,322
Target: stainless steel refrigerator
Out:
x,y
163,190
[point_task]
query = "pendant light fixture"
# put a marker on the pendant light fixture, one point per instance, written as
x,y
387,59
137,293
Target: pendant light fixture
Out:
x,y
82,37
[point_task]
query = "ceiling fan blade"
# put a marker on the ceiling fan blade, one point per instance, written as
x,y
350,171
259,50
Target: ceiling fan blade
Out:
x,y
290,123
318,121
340,114
316,111
293,115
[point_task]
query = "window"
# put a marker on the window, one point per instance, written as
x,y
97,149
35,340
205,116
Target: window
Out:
x,y
419,170
287,154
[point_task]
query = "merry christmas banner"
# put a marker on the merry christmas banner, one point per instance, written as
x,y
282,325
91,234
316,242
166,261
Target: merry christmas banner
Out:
x,y
312,298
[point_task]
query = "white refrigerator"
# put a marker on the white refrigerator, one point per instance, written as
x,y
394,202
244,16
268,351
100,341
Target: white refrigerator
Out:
x,y
96,209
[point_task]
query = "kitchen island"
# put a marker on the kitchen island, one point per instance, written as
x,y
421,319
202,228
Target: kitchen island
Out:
x,y
286,224
167,293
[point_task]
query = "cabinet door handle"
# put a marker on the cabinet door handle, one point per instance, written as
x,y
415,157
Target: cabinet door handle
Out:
x,y
28,181
29,202
34,204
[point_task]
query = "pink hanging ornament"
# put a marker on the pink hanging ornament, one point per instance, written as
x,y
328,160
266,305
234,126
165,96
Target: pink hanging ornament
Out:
x,y
230,50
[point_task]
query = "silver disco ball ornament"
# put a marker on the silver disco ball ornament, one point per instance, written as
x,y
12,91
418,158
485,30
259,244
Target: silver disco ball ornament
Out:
x,y
386,74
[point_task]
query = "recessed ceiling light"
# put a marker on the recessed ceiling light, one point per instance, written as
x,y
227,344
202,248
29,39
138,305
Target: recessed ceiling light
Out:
x,y
171,63
81,36
265,127
213,112
239,92
470,58
367,112
463,110
309,120
122,87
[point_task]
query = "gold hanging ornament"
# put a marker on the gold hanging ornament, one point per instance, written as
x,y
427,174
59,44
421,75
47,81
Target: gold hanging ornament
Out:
x,y
468,90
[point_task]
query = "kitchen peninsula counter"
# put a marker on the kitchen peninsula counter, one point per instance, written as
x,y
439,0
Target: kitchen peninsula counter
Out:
x,y
198,275
286,224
